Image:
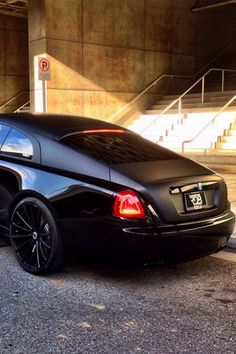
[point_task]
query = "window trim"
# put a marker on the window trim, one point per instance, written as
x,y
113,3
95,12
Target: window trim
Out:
x,y
35,144
7,126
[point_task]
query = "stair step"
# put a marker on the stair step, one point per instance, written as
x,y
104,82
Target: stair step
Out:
x,y
228,139
216,104
226,146
192,110
177,139
230,132
223,153
192,145
195,100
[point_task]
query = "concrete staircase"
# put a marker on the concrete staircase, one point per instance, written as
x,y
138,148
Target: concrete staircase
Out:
x,y
227,141
172,129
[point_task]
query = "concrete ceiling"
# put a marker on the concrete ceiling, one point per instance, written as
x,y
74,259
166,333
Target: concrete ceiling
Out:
x,y
17,8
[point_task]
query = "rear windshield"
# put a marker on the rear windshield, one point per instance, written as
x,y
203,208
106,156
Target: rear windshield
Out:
x,y
118,148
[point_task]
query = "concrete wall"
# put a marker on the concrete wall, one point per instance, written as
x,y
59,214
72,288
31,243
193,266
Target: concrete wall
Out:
x,y
215,32
14,67
216,43
104,52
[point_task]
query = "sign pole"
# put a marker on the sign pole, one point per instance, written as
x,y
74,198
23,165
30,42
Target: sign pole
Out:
x,y
44,96
44,73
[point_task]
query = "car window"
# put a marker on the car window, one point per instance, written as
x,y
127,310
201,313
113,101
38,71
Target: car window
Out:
x,y
4,130
118,148
17,144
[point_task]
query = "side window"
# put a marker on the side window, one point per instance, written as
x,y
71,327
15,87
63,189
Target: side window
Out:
x,y
4,130
17,144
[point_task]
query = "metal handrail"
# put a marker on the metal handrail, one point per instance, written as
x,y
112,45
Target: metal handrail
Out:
x,y
178,100
209,123
24,105
145,90
13,98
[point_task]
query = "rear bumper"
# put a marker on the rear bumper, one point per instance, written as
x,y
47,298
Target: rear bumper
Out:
x,y
185,241
149,244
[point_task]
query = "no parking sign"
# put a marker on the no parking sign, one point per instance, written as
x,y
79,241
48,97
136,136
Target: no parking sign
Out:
x,y
44,69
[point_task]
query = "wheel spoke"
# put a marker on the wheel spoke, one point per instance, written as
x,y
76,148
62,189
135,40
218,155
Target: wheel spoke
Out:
x,y
42,251
37,253
34,248
20,227
21,236
28,214
23,220
45,244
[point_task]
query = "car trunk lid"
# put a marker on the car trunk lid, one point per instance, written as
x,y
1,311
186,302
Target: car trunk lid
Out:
x,y
178,190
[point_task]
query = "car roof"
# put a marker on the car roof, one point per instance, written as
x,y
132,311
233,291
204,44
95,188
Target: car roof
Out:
x,y
54,126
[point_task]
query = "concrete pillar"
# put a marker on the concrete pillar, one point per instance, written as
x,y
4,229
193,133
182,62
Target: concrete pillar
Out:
x,y
55,31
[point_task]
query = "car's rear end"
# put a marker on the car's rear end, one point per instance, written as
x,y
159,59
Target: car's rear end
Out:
x,y
190,216
167,207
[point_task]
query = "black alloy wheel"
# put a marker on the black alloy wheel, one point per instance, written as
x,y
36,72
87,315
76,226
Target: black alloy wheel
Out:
x,y
35,238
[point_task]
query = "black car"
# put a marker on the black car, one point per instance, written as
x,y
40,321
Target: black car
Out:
x,y
78,184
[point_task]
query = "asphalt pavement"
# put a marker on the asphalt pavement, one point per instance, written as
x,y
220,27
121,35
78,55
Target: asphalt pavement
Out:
x,y
185,308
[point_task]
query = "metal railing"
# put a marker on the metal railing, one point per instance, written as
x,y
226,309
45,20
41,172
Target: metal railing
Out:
x,y
145,90
179,99
21,107
212,121
13,98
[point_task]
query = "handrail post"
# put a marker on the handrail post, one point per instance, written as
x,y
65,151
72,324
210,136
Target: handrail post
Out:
x,y
223,81
179,106
203,88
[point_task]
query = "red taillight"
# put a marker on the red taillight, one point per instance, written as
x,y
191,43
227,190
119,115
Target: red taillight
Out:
x,y
127,205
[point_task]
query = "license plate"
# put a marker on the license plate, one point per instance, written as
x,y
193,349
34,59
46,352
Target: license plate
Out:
x,y
195,201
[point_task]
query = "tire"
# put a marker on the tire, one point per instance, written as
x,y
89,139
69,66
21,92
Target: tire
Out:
x,y
35,238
